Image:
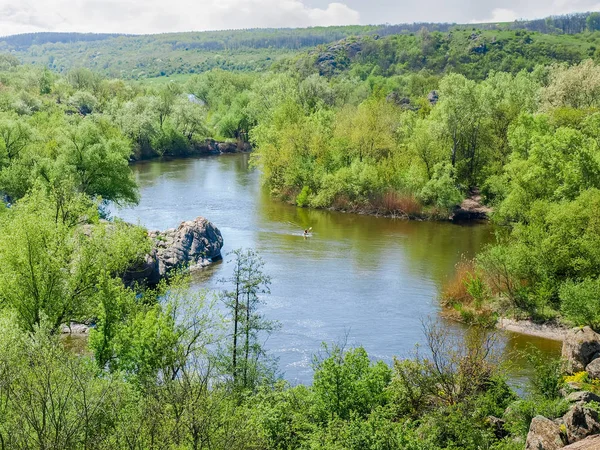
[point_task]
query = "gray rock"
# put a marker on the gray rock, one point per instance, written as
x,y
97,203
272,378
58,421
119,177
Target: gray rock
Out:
x,y
433,98
581,422
574,386
227,147
195,242
75,328
582,397
579,347
589,443
593,369
543,435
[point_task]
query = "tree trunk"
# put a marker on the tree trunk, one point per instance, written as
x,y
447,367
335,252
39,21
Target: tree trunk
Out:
x,y
247,343
235,331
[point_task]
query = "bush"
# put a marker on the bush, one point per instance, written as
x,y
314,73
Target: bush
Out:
x,y
441,190
303,197
518,415
465,293
580,302
546,378
397,204
347,383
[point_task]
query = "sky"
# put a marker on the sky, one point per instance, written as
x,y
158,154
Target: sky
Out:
x,y
159,16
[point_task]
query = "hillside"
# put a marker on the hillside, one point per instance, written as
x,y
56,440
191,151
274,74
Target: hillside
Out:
x,y
473,52
133,57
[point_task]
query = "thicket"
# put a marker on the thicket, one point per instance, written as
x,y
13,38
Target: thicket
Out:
x,y
545,262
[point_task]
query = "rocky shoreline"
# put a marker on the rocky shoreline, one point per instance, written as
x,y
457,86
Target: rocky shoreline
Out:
x,y
579,428
195,243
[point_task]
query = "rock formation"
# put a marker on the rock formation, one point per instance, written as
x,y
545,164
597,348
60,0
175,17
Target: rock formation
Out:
x,y
580,426
196,242
581,346
593,368
582,397
543,435
581,422
590,443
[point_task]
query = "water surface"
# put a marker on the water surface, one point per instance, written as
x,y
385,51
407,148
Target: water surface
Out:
x,y
362,280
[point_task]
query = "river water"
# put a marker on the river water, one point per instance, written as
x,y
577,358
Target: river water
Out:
x,y
361,280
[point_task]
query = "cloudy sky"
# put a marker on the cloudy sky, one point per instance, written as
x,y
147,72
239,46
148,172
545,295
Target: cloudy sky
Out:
x,y
152,16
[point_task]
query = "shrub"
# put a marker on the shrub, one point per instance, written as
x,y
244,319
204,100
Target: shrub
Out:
x,y
465,294
442,190
580,302
518,415
303,197
397,204
546,378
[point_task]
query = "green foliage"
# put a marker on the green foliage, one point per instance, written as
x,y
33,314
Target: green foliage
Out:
x,y
51,265
302,198
351,126
441,190
547,375
519,414
347,383
580,303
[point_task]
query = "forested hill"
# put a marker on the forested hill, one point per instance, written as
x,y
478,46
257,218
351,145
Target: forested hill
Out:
x,y
129,56
473,52
173,53
23,41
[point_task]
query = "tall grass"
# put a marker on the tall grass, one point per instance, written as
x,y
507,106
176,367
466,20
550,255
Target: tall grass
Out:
x,y
465,296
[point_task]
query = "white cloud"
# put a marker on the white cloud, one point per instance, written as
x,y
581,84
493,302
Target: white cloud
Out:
x,y
501,15
153,16
531,10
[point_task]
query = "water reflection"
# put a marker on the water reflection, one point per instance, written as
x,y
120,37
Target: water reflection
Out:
x,y
372,279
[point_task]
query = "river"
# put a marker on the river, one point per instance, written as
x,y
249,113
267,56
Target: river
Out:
x,y
361,280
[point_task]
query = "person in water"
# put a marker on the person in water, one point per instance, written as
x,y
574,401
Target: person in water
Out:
x,y
307,232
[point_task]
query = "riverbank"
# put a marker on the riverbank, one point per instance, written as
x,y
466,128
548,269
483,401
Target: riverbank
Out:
x,y
552,331
209,147
395,206
389,205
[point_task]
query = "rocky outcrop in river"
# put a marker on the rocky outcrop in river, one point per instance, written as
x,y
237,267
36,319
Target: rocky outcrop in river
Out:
x,y
196,243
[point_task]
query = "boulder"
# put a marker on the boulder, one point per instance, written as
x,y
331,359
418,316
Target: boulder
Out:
x,y
227,147
579,348
582,397
593,369
581,422
433,98
196,242
75,328
589,443
543,435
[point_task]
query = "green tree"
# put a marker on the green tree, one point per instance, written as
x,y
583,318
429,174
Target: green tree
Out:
x,y
461,113
51,264
347,383
95,157
247,353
